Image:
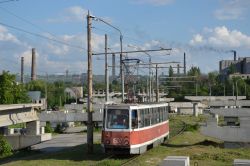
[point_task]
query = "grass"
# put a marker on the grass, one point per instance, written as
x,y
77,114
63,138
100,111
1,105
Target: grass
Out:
x,y
201,149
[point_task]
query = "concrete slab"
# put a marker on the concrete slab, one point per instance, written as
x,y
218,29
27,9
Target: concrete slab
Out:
x,y
241,162
176,161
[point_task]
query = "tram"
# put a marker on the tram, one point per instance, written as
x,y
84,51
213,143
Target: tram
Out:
x,y
134,128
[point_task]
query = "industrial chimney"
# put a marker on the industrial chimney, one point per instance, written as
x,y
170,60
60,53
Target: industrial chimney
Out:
x,y
184,63
22,63
33,65
234,55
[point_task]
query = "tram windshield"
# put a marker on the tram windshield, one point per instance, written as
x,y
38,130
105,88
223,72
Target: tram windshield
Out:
x,y
117,119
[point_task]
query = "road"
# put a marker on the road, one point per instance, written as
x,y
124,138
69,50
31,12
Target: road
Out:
x,y
62,141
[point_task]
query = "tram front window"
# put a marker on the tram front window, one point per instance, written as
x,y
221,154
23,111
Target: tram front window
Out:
x,y
117,119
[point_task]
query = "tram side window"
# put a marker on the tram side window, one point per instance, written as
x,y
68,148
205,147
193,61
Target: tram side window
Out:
x,y
161,114
164,113
140,118
134,119
167,108
146,117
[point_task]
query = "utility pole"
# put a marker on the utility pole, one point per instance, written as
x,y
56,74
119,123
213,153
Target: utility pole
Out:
x,y
150,80
185,64
121,69
106,69
90,115
113,68
157,83
196,89
46,92
22,69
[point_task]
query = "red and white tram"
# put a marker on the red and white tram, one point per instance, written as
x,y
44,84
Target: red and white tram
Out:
x,y
134,128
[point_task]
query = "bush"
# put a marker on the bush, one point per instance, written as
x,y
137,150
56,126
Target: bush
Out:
x,y
58,129
48,128
192,128
5,148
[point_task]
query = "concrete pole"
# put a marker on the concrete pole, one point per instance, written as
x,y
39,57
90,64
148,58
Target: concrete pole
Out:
x,y
157,83
121,69
22,69
106,69
90,84
224,89
196,89
245,89
184,63
150,80
113,67
233,89
46,92
236,89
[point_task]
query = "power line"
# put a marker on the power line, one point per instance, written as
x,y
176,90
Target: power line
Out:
x,y
26,21
7,1
41,36
137,51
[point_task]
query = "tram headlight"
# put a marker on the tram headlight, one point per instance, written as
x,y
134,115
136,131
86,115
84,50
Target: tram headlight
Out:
x,y
107,141
126,142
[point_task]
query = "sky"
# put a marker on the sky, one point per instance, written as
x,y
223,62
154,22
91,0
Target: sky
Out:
x,y
206,30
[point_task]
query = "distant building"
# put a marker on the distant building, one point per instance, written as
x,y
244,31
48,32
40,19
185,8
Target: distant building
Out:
x,y
241,67
35,97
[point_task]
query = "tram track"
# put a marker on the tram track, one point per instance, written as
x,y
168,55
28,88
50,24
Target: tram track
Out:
x,y
134,157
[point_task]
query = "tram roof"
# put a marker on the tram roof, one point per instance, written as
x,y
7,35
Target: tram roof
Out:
x,y
135,105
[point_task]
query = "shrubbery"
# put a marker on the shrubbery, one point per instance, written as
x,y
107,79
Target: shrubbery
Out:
x,y
5,148
190,127
48,128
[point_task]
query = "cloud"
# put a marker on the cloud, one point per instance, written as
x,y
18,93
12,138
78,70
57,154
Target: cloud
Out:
x,y
71,14
222,37
232,9
153,2
6,36
197,39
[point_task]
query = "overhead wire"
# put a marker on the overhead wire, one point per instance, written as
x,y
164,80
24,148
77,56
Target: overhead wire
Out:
x,y
42,36
27,21
7,1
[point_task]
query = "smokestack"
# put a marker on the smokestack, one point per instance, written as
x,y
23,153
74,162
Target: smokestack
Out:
x,y
113,67
184,63
178,69
33,65
22,63
234,55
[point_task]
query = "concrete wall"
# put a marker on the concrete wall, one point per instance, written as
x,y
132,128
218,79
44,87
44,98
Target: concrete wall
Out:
x,y
24,141
60,116
213,98
186,107
229,103
227,133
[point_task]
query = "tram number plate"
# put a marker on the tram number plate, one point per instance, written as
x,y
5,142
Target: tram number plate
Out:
x,y
117,141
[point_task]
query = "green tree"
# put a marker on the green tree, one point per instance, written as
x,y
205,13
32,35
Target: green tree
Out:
x,y
232,69
37,85
5,148
170,72
194,71
10,91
